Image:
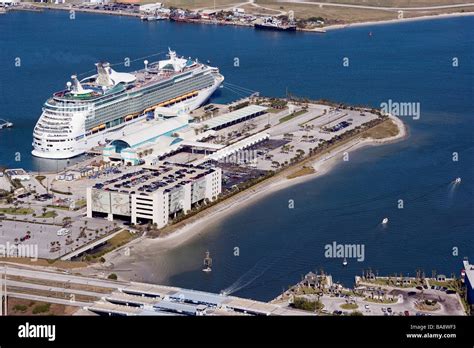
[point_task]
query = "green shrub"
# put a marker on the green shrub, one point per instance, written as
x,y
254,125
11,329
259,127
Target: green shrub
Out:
x,y
20,308
41,308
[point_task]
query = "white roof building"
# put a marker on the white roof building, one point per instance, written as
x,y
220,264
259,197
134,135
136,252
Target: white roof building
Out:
x,y
150,8
235,116
9,2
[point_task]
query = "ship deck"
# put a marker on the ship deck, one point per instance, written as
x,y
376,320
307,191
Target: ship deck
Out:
x,y
144,78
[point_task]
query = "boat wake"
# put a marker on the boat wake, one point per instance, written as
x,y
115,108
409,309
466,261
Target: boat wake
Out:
x,y
252,274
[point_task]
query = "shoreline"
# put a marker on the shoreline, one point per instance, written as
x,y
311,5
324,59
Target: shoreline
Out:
x,y
398,21
37,8
322,165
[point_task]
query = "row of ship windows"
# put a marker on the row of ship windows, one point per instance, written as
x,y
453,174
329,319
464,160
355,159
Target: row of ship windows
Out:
x,y
151,91
111,112
63,149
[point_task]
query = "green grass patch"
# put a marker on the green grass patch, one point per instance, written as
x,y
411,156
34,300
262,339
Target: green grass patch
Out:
x,y
80,203
17,211
62,207
450,284
307,305
349,306
293,115
48,215
41,308
20,308
384,301
308,291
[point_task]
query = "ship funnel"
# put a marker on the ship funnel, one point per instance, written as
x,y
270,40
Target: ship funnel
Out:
x,y
171,54
103,74
76,85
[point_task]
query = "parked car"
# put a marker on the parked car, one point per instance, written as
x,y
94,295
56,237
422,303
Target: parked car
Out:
x,y
63,232
407,313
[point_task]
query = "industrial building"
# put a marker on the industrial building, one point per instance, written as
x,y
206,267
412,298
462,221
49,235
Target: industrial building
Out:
x,y
154,193
166,132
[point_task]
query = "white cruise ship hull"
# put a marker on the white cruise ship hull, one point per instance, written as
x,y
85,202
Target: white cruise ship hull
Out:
x,y
87,143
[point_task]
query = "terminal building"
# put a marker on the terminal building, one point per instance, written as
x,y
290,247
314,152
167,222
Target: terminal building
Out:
x,y
153,194
237,116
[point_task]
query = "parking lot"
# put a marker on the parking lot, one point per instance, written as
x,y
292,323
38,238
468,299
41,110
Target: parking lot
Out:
x,y
304,132
404,303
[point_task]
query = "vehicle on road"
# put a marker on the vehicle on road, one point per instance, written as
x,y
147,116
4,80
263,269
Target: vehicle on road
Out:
x,y
63,232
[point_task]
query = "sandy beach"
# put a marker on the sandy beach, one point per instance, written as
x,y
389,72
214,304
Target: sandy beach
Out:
x,y
395,21
322,165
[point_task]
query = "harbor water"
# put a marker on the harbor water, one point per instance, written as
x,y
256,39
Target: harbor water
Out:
x,y
425,62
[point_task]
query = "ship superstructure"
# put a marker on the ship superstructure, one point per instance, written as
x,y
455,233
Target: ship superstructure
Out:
x,y
272,23
98,108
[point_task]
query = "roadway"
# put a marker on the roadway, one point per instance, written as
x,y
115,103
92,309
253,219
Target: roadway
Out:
x,y
383,8
118,291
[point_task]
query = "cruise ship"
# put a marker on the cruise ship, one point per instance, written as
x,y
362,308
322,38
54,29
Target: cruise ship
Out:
x,y
97,109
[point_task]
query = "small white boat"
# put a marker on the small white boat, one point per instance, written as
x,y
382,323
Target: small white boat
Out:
x,y
385,221
5,124
151,18
458,180
207,263
344,263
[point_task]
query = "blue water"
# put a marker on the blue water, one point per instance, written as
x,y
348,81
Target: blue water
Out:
x,y
410,62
